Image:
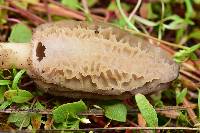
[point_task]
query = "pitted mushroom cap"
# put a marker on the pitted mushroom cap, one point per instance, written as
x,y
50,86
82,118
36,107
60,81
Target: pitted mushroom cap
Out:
x,y
97,58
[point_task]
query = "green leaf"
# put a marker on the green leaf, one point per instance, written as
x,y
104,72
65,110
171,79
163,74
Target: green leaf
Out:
x,y
5,82
74,124
21,4
91,2
182,55
61,113
196,1
2,91
112,6
20,34
193,57
73,4
190,13
151,14
195,34
147,110
180,96
120,22
39,106
115,110
1,2
17,78
3,13
20,119
179,35
18,96
5,104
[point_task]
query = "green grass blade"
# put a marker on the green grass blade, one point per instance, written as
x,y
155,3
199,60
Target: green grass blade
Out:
x,y
17,78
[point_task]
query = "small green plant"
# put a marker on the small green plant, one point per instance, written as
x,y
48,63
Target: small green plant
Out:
x,y
180,96
187,53
66,115
115,110
147,110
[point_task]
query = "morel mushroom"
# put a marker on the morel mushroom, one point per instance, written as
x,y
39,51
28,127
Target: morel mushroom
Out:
x,y
90,60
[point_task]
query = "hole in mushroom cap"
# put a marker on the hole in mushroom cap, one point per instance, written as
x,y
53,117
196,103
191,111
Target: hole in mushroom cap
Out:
x,y
40,51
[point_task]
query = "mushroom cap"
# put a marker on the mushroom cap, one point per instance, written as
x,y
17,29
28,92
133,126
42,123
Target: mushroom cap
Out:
x,y
83,59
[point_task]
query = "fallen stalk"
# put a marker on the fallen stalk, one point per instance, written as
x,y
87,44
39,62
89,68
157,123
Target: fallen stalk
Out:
x,y
93,111
123,128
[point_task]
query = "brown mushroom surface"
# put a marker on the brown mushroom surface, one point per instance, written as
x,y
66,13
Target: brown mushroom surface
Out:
x,y
91,60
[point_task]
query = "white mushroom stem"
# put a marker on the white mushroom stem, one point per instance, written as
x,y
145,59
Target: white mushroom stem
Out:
x,y
15,55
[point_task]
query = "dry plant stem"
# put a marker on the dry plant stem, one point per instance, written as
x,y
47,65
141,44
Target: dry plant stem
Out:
x,y
188,83
193,94
191,113
173,114
99,11
132,123
190,75
141,120
14,55
47,10
64,7
34,18
74,11
191,68
56,10
48,123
